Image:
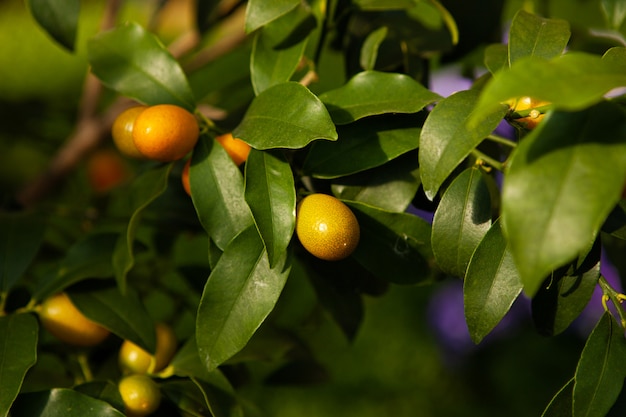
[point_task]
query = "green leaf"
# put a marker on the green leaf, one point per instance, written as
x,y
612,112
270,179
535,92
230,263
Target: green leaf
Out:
x,y
372,5
370,93
447,138
557,305
461,220
496,57
491,284
390,187
561,403
146,188
369,50
601,369
89,257
102,390
217,190
262,12
582,156
21,237
59,18
275,57
270,191
61,402
395,247
552,81
222,402
363,145
133,62
239,294
614,12
286,115
531,35
18,352
123,314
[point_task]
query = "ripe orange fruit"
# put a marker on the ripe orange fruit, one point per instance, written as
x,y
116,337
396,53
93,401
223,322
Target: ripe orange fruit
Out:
x,y
184,177
525,103
134,359
106,170
165,132
64,321
236,148
122,131
140,394
326,227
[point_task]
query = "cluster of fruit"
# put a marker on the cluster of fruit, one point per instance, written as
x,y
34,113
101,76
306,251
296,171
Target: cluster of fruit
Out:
x,y
138,390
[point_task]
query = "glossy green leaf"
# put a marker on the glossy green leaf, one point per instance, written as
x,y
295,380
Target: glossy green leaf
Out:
x,y
447,138
363,145
370,93
532,35
239,294
262,12
614,12
123,314
395,247
145,189
286,115
21,237
89,257
62,402
582,156
18,352
217,190
561,403
491,284
133,62
601,369
461,220
557,305
59,18
372,5
496,57
275,57
390,187
270,191
221,402
369,51
552,81
102,390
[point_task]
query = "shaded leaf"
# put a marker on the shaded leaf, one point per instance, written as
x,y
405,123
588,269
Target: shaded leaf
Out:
x,y
270,191
239,294
217,190
369,50
59,18
133,62
18,352
102,390
447,138
564,151
370,93
384,4
62,402
286,115
461,220
532,35
496,57
601,369
363,145
561,403
145,189
21,237
491,284
262,12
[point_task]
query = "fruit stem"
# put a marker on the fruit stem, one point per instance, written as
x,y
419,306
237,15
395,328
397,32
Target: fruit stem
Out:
x,y
83,362
609,293
502,141
480,156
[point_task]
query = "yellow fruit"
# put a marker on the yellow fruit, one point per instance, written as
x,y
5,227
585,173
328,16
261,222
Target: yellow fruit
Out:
x,y
236,148
326,227
122,132
185,177
106,170
140,394
64,321
165,132
534,118
134,359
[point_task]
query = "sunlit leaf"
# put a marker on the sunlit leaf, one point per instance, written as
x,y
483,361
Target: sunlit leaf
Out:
x,y
59,18
135,63
496,57
556,166
369,51
286,115
18,352
532,35
262,12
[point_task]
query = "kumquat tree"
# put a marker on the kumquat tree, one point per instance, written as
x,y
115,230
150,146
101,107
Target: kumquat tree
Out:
x,y
313,208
